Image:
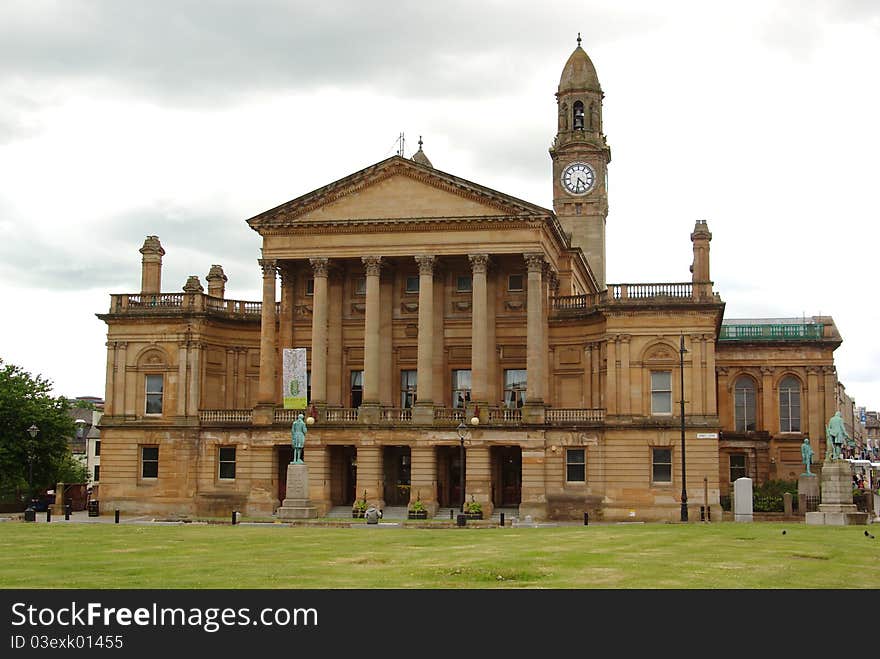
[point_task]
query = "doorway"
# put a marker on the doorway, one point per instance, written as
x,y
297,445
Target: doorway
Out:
x,y
343,475
506,476
396,465
449,472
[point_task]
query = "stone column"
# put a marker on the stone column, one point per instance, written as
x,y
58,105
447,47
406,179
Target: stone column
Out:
x,y
266,395
285,322
370,409
611,376
369,475
319,332
768,422
109,405
479,335
533,411
194,386
423,477
533,497
698,366
625,388
424,408
119,402
182,371
478,477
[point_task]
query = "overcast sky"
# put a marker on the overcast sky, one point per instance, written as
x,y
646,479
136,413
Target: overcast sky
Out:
x,y
182,119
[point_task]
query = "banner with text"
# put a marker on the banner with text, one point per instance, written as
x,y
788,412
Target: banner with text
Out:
x,y
294,379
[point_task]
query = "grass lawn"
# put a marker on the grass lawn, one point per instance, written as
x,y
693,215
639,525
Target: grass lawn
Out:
x,y
655,556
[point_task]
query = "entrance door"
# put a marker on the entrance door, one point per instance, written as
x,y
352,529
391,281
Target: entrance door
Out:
x,y
449,471
396,475
506,476
285,455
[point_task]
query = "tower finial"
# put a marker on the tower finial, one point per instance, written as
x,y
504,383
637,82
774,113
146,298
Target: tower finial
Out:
x,y
420,142
579,39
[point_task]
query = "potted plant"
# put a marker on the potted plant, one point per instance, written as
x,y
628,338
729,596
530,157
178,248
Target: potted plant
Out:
x,y
473,509
360,507
417,510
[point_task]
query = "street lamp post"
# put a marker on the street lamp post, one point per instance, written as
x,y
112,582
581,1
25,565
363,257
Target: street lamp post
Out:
x,y
462,433
684,495
32,431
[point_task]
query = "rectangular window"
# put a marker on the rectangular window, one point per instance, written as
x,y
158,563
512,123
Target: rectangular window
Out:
x,y
97,447
661,392
360,286
357,388
154,388
97,473
514,387
149,462
461,388
737,466
412,284
515,283
408,388
463,283
661,465
310,286
226,457
575,465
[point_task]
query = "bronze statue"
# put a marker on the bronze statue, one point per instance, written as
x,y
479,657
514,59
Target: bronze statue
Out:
x,y
298,439
807,455
836,434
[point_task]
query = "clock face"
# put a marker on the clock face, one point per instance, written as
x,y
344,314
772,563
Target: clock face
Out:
x,y
578,178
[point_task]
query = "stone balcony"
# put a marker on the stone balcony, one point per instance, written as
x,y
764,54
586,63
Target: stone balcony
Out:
x,y
164,304
634,294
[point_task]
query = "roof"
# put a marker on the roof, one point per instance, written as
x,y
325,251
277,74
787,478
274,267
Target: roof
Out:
x,y
579,74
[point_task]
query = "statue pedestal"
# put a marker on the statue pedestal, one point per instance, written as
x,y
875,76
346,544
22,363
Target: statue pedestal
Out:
x,y
297,504
837,508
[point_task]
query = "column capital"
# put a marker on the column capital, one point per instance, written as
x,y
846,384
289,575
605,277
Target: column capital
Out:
x,y
426,263
479,262
535,262
269,267
287,274
372,265
829,370
320,266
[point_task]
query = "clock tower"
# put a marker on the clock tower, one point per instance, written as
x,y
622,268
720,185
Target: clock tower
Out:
x,y
580,160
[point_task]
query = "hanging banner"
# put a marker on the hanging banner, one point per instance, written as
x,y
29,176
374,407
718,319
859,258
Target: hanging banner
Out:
x,y
294,379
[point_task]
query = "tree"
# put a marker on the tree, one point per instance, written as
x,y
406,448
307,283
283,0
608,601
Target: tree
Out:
x,y
24,401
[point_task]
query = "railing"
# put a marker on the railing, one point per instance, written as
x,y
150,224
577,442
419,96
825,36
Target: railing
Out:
x,y
397,414
574,415
570,303
288,415
341,414
451,414
648,291
150,301
186,302
505,415
771,332
225,416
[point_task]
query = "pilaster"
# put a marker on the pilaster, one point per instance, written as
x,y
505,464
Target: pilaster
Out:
x,y
423,477
369,475
478,477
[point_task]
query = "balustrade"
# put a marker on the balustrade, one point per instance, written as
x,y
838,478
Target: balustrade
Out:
x,y
574,415
225,416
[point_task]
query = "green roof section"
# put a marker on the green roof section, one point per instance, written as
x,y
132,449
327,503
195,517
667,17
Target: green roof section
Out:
x,y
771,331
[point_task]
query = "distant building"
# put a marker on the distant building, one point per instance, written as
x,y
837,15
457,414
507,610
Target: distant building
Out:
x,y
424,301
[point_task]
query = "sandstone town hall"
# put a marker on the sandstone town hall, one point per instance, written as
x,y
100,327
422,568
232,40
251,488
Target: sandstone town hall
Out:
x,y
425,301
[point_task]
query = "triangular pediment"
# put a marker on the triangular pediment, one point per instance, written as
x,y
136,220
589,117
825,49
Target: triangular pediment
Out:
x,y
395,189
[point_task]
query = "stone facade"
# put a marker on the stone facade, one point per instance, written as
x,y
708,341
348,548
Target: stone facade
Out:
x,y
431,306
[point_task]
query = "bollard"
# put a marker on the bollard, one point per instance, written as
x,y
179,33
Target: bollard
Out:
x,y
461,520
116,516
702,513
48,514
586,519
708,513
502,519
450,513
67,512
234,517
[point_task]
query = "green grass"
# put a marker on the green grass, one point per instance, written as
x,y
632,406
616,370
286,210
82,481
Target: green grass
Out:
x,y
654,556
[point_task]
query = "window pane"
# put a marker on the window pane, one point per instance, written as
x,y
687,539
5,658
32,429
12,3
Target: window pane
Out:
x,y
310,286
97,473
227,461
408,388
97,448
575,468
662,465
149,461
744,404
360,286
154,387
515,283
737,466
463,283
661,392
661,380
150,452
461,388
412,284
661,403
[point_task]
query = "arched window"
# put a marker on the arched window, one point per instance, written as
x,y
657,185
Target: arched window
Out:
x,y
744,404
790,404
578,123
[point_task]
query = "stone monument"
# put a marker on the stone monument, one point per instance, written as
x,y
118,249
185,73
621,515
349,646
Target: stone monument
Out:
x,y
837,507
297,504
742,500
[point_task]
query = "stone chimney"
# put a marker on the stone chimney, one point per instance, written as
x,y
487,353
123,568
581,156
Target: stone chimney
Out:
x,y
216,281
700,267
151,266
193,285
